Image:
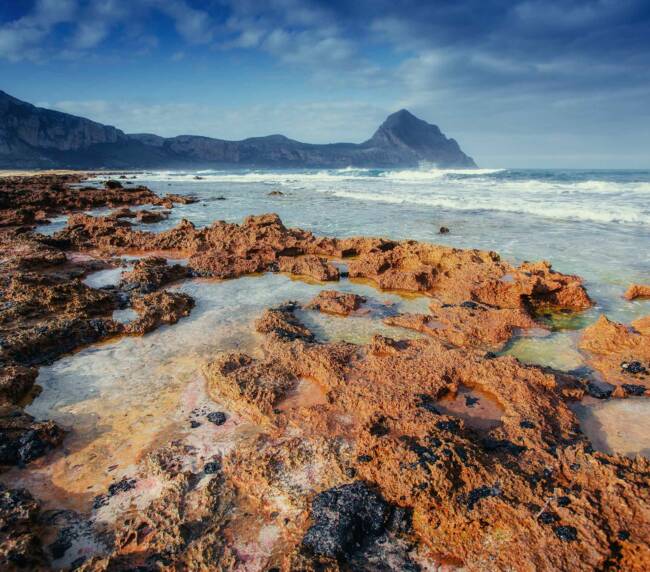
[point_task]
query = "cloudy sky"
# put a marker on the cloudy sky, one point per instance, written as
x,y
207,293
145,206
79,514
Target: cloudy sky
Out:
x,y
539,83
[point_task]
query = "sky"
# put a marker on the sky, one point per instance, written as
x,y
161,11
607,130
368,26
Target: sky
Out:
x,y
533,83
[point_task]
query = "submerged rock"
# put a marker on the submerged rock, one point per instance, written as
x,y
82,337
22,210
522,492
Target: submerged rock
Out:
x,y
309,265
333,302
151,273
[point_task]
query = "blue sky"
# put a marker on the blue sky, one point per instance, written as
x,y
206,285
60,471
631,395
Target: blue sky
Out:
x,y
555,83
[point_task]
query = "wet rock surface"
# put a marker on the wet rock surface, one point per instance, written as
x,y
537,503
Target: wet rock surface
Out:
x,y
333,302
464,486
344,518
467,324
378,473
28,200
151,273
621,354
637,291
309,265
22,439
20,547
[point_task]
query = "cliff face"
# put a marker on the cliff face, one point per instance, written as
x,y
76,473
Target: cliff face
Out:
x,y
33,137
24,129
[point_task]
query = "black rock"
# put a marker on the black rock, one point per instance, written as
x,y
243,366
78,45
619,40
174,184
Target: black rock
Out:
x,y
443,230
633,367
631,389
598,392
194,424
548,517
494,445
378,429
428,403
364,458
471,401
212,467
217,417
121,486
623,535
480,493
449,425
525,424
345,517
566,533
563,501
469,304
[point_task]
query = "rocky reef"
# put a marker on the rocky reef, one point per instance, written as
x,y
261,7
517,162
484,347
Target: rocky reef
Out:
x,y
343,456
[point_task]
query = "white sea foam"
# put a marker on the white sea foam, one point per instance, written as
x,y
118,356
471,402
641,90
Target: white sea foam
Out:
x,y
557,195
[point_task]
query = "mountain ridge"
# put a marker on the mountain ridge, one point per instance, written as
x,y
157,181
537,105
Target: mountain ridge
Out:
x,y
35,137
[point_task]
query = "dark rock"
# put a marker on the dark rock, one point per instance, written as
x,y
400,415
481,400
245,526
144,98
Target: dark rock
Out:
x,y
125,484
563,501
623,535
364,458
217,417
112,184
635,390
443,230
428,403
548,517
633,367
379,429
471,401
448,425
496,445
481,493
194,424
212,467
598,392
344,517
22,439
525,424
566,533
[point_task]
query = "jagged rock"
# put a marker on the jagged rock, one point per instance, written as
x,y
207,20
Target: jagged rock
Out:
x,y
151,273
309,265
333,302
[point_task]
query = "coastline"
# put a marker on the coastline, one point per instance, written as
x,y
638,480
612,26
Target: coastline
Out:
x,y
381,432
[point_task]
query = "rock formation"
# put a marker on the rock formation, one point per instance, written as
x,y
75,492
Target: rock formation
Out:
x,y
33,137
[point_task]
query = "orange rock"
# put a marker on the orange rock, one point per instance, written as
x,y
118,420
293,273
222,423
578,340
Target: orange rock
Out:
x,y
620,353
637,291
467,324
333,302
309,265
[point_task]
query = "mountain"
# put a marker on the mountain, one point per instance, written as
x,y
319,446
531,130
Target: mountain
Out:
x,y
34,137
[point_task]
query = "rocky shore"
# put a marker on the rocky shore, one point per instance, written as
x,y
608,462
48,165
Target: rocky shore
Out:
x,y
354,458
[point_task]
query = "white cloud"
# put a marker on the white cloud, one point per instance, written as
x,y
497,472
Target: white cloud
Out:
x,y
23,38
